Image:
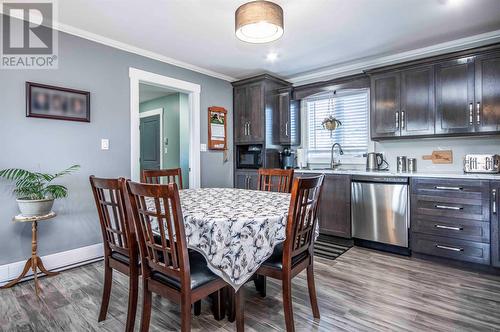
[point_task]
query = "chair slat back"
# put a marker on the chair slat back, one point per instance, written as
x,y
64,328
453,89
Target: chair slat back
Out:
x,y
158,203
117,229
302,216
154,176
278,180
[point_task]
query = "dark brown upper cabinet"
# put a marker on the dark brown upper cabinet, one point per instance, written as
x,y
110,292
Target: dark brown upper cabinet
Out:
x,y
286,118
455,96
487,97
403,103
385,105
251,105
417,101
240,114
249,113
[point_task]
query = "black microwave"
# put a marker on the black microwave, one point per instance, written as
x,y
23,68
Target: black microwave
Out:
x,y
249,156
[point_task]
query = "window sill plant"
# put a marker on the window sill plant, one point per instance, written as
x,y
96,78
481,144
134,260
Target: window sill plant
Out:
x,y
35,191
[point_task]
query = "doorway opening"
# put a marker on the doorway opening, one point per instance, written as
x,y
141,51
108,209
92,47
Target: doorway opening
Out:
x,y
164,129
165,125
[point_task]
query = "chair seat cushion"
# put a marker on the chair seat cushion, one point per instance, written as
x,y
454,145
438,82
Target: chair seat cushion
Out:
x,y
120,257
200,273
276,259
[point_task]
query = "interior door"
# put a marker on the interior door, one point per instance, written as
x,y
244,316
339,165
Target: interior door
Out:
x,y
385,110
487,105
417,101
455,96
150,144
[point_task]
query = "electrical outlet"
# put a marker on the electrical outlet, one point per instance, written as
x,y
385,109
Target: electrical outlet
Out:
x,y
104,144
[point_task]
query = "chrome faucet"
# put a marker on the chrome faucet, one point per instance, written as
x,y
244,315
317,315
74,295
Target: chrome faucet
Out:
x,y
333,163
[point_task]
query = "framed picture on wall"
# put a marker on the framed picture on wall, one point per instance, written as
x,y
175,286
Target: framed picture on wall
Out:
x,y
217,128
52,102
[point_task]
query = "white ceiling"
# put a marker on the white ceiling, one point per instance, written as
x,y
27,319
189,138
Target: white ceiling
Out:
x,y
319,34
150,92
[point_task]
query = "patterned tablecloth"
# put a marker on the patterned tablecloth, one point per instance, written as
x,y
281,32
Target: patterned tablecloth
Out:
x,y
236,230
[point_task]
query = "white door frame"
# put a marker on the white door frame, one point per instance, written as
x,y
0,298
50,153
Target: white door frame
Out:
x,y
156,111
193,90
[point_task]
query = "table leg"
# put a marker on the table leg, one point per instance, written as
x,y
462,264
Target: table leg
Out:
x,y
27,267
230,296
32,263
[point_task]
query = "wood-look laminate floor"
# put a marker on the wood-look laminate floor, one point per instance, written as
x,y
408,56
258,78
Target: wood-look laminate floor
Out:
x,y
363,290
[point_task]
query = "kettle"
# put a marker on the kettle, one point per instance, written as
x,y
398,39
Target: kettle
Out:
x,y
374,161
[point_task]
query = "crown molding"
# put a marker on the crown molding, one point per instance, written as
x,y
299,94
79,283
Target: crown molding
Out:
x,y
71,30
357,67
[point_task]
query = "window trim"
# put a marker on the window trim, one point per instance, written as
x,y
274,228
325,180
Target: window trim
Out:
x,y
304,126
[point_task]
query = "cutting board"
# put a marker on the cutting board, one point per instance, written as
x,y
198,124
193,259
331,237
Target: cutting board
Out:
x,y
440,157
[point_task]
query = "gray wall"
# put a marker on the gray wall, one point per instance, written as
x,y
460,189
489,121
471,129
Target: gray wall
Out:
x,y
52,145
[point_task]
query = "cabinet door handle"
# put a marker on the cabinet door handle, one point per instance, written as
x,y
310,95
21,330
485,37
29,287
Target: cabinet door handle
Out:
x,y
286,129
249,130
494,201
448,188
471,114
402,119
397,120
448,248
478,113
449,227
448,207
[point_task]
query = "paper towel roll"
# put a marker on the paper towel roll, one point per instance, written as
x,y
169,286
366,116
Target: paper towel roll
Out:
x,y
301,161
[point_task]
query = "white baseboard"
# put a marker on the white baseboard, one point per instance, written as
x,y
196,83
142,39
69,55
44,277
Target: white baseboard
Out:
x,y
54,262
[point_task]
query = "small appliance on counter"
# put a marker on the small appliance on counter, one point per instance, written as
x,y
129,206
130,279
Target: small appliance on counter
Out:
x,y
375,162
287,158
482,163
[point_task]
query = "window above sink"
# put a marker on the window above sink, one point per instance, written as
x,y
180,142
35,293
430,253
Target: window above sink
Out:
x,y
351,108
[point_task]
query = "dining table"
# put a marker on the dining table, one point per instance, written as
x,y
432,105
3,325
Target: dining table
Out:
x,y
236,230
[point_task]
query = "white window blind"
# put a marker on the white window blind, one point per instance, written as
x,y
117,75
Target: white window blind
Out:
x,y
351,108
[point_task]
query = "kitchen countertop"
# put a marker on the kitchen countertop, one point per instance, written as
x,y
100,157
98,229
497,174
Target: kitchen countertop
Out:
x,y
423,174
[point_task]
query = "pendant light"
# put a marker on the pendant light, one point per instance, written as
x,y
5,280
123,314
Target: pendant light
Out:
x,y
259,22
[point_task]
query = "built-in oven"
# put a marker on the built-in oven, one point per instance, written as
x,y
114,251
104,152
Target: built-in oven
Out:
x,y
249,156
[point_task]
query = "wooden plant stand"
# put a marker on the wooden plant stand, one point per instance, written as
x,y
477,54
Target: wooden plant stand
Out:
x,y
34,262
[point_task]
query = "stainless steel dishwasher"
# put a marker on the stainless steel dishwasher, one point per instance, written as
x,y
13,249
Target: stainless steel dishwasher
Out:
x,y
379,209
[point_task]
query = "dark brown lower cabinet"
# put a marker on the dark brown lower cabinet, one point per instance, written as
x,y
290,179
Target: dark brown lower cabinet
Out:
x,y
335,205
450,218
495,223
244,179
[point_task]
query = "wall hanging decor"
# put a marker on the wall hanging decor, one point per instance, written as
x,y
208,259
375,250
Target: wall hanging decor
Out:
x,y
52,102
217,128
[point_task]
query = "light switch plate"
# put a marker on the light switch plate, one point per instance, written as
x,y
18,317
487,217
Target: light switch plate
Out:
x,y
104,144
203,147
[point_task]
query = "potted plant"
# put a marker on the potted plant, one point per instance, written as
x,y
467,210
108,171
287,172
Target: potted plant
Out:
x,y
35,191
330,123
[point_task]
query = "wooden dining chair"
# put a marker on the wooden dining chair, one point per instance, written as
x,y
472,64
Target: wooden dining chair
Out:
x,y
154,176
168,268
275,179
120,246
297,252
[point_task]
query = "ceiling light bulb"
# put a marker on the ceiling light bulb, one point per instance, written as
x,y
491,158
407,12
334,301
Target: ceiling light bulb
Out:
x,y
272,56
259,22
